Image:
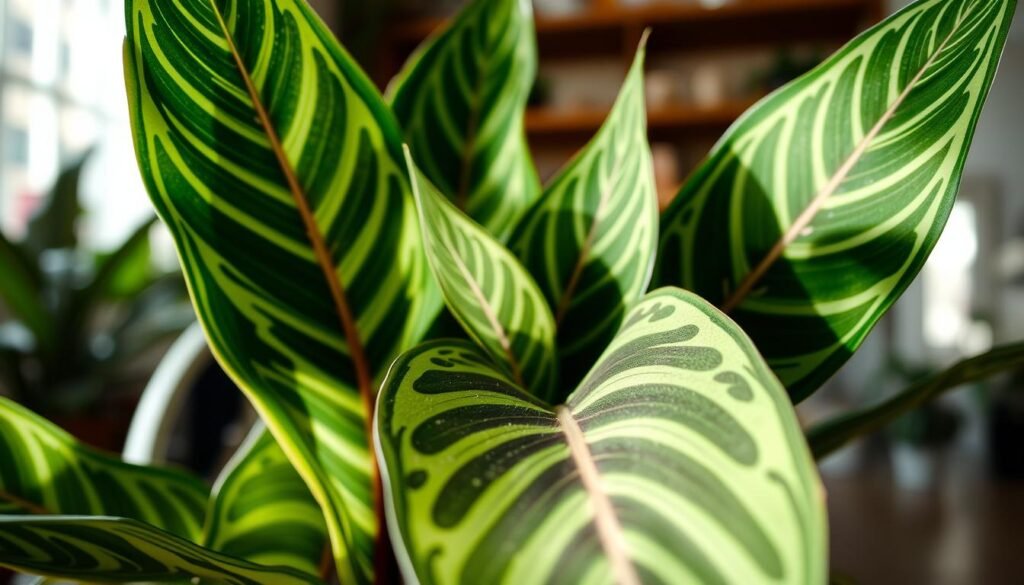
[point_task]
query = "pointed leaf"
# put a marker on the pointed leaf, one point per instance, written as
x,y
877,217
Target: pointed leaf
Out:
x,y
829,436
54,225
261,510
590,240
819,207
20,292
487,290
461,101
678,460
278,169
91,549
43,470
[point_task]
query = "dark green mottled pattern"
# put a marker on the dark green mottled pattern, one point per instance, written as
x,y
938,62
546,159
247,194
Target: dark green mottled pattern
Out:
x,y
843,270
693,439
461,101
591,238
261,510
43,469
116,550
488,291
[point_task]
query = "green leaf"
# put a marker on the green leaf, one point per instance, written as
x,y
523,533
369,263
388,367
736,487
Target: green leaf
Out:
x,y
20,292
487,290
678,460
590,240
44,470
278,169
827,437
819,207
91,549
54,225
461,101
262,511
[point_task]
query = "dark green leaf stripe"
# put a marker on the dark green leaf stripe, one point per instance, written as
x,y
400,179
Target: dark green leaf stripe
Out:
x,y
819,207
678,460
831,435
487,290
275,164
590,240
43,470
461,101
91,549
262,511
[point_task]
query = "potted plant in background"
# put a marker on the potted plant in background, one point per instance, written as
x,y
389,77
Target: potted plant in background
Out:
x,y
80,326
588,428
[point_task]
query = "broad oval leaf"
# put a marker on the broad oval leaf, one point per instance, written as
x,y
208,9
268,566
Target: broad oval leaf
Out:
x,y
92,549
461,101
277,168
487,290
590,240
819,207
43,470
262,511
678,460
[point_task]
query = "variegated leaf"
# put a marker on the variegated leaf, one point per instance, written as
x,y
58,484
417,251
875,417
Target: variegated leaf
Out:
x,y
278,169
43,470
591,238
487,290
818,208
262,512
461,101
93,549
678,460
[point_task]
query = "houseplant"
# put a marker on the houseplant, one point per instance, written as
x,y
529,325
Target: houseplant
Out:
x,y
76,320
317,252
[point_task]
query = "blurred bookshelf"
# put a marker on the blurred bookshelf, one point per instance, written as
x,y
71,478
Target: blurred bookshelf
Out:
x,y
708,61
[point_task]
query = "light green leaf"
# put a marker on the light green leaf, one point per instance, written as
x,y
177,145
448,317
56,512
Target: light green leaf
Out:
x,y
678,460
819,207
827,437
461,101
43,470
278,169
590,240
487,290
92,549
261,510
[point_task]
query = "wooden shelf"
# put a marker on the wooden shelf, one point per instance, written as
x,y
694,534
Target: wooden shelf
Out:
x,y
614,16
545,122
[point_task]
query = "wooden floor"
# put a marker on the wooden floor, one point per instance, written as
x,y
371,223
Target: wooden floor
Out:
x,y
967,530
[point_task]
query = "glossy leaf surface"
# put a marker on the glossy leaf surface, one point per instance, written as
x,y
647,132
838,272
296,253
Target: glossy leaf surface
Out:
x,y
678,459
263,512
43,470
487,290
461,101
92,549
277,167
591,238
819,207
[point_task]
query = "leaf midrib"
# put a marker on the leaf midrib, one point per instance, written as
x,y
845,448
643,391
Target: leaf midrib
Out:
x,y
357,354
606,521
794,231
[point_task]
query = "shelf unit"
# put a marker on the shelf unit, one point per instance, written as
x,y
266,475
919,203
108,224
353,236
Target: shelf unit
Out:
x,y
613,28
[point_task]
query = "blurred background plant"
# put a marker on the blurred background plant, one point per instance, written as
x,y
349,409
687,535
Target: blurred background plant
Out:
x,y
79,328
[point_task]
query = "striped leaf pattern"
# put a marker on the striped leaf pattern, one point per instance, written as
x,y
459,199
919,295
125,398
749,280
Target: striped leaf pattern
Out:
x,y
461,101
117,550
487,290
262,512
43,470
678,460
591,239
818,208
277,167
